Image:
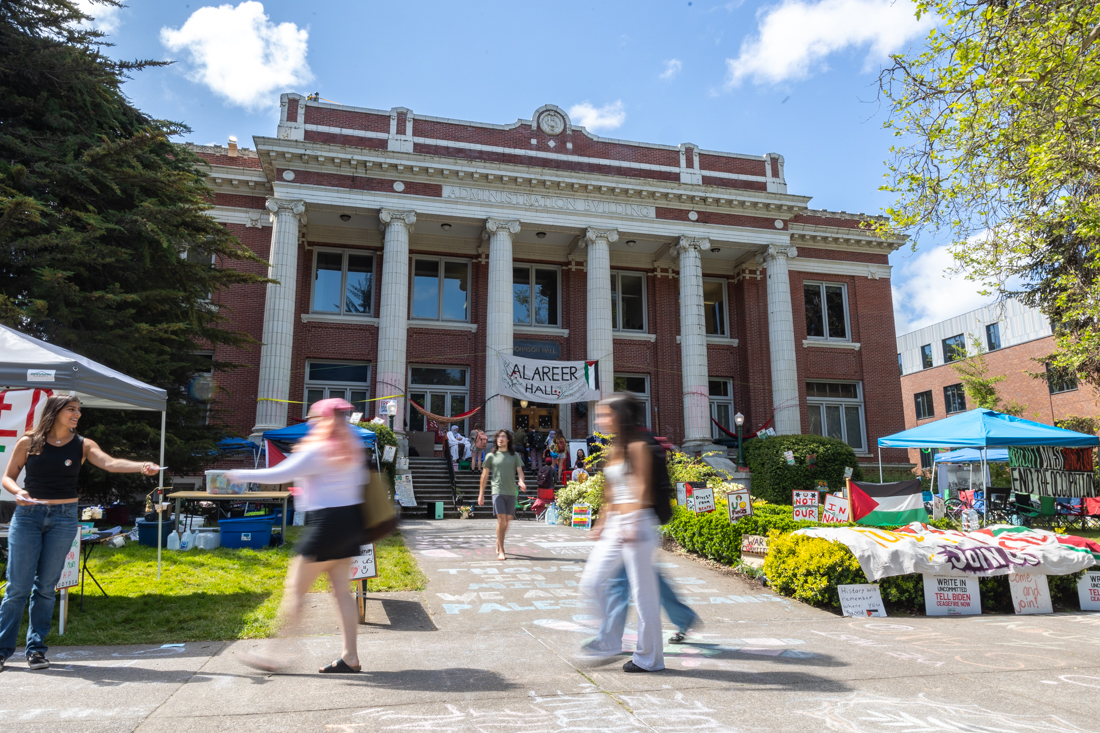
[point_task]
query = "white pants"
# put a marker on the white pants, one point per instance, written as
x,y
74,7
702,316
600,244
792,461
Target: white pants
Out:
x,y
630,539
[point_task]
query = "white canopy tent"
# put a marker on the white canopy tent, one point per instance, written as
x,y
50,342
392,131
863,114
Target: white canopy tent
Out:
x,y
28,363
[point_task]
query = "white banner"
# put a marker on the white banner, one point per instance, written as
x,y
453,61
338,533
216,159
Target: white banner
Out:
x,y
20,411
538,380
998,550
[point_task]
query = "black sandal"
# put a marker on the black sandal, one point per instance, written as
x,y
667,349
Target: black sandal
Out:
x,y
677,638
340,667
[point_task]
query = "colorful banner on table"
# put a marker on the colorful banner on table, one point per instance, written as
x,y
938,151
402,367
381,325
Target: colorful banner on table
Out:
x,y
558,382
886,505
20,411
1048,471
997,550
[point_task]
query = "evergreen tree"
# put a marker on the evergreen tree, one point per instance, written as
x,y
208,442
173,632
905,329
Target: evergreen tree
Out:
x,y
105,243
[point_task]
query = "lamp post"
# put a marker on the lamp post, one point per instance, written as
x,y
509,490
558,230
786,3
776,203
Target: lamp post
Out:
x,y
739,420
391,410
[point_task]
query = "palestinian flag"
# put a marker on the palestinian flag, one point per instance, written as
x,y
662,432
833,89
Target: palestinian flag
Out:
x,y
883,505
592,375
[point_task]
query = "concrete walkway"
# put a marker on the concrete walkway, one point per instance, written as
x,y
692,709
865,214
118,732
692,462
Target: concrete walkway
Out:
x,y
490,647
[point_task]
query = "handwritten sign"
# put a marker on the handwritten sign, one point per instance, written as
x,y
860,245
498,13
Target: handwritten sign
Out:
x,y
684,490
939,507
70,574
945,596
1030,593
403,487
701,498
1088,591
582,516
805,505
789,455
739,504
388,454
860,600
364,566
754,548
848,471
835,510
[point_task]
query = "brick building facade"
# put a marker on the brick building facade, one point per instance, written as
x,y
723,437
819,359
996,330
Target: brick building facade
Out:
x,y
384,229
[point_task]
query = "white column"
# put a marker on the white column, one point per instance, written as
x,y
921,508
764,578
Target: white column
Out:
x,y
693,345
498,336
278,336
600,344
781,339
393,312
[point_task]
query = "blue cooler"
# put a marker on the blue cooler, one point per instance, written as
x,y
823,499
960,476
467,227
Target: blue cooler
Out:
x,y
147,532
254,532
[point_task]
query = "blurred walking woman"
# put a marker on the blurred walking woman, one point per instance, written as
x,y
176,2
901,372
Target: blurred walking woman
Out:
x,y
45,521
329,465
627,532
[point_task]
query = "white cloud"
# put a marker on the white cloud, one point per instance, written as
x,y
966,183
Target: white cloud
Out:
x,y
104,17
672,68
607,117
240,54
795,37
926,291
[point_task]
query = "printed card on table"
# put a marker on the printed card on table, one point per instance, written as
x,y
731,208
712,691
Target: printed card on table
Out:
x,y
861,600
946,596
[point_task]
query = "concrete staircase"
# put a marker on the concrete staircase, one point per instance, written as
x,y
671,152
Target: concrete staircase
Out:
x,y
431,483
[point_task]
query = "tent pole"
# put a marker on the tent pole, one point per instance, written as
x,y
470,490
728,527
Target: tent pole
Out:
x,y
985,489
880,464
160,490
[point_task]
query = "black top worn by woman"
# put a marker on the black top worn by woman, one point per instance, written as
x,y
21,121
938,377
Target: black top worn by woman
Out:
x,y
53,473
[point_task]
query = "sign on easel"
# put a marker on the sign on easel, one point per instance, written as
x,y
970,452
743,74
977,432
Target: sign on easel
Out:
x,y
1088,591
944,596
805,505
1030,593
363,565
582,516
70,574
860,600
739,504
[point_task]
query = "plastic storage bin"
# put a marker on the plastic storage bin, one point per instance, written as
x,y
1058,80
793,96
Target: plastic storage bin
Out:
x,y
254,532
147,532
216,483
437,509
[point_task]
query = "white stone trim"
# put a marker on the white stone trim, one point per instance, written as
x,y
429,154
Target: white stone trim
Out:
x,y
442,325
541,330
829,344
837,267
629,336
256,218
336,318
717,341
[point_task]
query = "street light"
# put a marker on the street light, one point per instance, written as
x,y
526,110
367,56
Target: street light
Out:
x,y
739,420
389,407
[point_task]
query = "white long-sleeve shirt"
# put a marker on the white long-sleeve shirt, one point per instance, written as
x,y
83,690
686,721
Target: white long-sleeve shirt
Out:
x,y
324,484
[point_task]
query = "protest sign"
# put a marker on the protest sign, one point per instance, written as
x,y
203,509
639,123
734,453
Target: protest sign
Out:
x,y
363,565
685,493
70,574
754,548
789,455
701,498
739,504
582,516
835,510
860,600
805,505
1088,591
848,471
1030,593
388,454
403,488
945,596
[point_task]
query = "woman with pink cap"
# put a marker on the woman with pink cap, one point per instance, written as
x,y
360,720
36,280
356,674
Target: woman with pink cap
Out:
x,y
329,465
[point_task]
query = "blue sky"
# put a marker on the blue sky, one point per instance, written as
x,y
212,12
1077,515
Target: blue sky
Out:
x,y
797,77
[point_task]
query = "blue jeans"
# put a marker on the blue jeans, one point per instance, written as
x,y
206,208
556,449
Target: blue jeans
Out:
x,y
618,599
38,541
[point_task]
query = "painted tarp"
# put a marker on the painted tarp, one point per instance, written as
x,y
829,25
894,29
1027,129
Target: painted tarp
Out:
x,y
997,550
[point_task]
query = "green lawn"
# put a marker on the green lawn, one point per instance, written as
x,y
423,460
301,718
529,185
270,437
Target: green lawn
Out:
x,y
203,595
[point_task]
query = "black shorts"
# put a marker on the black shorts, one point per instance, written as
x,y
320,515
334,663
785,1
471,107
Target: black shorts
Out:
x,y
333,533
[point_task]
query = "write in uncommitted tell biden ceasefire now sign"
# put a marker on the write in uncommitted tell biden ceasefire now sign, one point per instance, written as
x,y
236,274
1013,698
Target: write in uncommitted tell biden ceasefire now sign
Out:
x,y
805,505
947,596
1088,591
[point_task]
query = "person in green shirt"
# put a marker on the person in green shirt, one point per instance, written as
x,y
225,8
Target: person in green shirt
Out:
x,y
505,468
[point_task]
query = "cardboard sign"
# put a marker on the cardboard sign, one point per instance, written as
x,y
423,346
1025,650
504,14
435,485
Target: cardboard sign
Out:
x,y
701,498
754,548
403,488
1088,591
805,504
945,596
789,455
685,493
836,510
739,504
70,575
860,600
1030,593
848,471
364,565
822,485
388,453
939,508
582,516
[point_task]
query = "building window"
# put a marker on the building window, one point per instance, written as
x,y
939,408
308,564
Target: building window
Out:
x,y
441,391
993,336
714,307
836,411
721,408
637,385
954,348
901,369
628,301
925,459
926,356
348,380
923,402
343,282
441,289
535,300
1060,380
954,399
826,311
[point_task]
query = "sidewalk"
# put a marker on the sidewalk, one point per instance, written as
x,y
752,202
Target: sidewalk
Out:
x,y
490,646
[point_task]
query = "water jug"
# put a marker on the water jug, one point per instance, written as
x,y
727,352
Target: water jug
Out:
x,y
174,541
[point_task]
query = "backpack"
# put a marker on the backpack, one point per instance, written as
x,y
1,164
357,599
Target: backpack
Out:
x,y
546,477
662,484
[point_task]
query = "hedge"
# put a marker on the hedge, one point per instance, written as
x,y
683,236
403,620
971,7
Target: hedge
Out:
x,y
773,479
712,535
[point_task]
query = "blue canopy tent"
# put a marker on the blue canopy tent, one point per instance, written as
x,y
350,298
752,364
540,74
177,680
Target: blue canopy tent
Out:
x,y
972,455
294,433
983,429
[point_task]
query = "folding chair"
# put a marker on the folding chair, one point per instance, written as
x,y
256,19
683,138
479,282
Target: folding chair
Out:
x,y
1071,512
1024,510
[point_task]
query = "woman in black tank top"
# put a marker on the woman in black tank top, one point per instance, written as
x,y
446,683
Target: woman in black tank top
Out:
x,y
45,521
